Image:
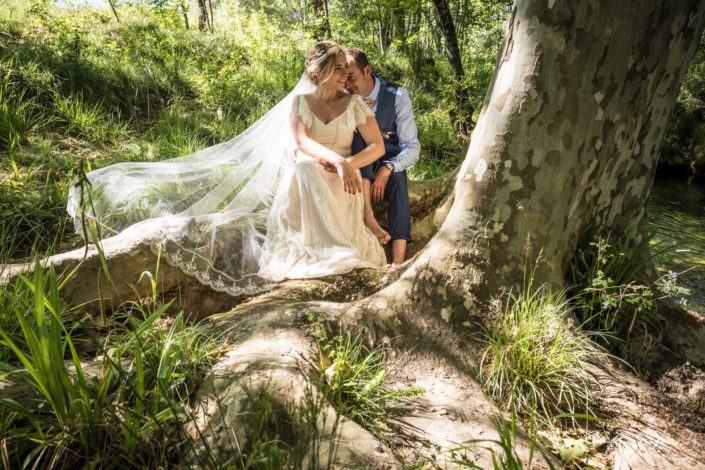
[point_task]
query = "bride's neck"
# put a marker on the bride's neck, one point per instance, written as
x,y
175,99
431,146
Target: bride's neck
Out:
x,y
326,95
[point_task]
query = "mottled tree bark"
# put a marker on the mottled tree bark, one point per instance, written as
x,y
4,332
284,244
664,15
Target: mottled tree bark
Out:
x,y
462,114
568,138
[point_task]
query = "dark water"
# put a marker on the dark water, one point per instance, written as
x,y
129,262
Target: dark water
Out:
x,y
677,221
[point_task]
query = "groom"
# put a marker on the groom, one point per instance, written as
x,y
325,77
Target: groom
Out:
x,y
386,178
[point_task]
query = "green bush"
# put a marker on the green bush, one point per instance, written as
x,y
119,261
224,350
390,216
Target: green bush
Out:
x,y
613,295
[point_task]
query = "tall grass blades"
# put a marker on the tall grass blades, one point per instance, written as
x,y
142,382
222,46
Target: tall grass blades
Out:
x,y
16,117
32,210
89,121
351,376
73,412
122,408
178,132
533,363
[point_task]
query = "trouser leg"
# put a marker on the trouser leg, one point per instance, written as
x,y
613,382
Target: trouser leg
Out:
x,y
398,214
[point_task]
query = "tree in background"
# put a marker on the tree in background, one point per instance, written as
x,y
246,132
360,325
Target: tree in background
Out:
x,y
321,25
462,113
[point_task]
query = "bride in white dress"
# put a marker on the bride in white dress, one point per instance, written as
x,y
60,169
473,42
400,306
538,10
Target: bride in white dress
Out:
x,y
237,215
317,222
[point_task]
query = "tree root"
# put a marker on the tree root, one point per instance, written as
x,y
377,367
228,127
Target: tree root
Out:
x,y
271,347
642,422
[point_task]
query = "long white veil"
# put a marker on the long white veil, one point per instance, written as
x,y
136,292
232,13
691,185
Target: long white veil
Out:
x,y
205,213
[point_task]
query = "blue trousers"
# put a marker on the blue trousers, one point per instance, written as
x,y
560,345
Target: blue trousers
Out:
x,y
397,195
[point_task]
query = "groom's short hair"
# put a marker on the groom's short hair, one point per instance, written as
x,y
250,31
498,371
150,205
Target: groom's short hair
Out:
x,y
359,57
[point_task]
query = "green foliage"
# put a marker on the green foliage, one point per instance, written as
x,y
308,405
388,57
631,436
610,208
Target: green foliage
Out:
x,y
684,143
351,377
611,297
89,121
123,408
32,212
534,361
179,132
16,119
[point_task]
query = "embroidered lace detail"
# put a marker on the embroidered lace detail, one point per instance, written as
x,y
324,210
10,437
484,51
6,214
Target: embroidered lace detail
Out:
x,y
303,111
208,275
360,110
354,115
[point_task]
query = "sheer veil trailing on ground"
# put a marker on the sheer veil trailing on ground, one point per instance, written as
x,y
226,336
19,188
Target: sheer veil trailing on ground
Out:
x,y
205,213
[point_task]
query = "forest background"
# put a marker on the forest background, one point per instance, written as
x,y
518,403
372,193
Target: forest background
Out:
x,y
82,88
145,81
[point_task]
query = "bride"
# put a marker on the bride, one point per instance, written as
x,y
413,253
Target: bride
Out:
x,y
239,216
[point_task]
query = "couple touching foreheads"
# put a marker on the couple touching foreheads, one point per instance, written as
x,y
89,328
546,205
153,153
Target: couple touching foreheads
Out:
x,y
239,218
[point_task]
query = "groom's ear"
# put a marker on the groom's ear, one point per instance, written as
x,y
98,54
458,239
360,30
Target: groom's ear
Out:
x,y
368,70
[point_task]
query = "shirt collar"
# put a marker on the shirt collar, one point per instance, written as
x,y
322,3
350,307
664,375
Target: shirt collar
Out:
x,y
375,90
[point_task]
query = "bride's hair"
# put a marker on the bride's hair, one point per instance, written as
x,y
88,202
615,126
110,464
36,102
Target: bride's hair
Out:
x,y
320,61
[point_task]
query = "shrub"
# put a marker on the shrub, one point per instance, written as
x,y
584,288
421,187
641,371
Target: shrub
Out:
x,y
534,360
611,296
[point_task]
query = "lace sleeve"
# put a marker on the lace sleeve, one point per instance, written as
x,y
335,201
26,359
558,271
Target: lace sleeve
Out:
x,y
361,110
302,110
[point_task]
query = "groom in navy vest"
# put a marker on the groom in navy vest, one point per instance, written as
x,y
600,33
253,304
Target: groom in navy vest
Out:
x,y
386,178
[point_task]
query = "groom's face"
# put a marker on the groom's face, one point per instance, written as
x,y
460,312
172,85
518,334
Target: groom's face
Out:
x,y
359,80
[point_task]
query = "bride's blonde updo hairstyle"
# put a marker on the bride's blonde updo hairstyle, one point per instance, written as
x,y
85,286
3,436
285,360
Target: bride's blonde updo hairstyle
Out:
x,y
320,61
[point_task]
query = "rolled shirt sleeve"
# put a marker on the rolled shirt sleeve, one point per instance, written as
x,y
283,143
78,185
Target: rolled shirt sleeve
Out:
x,y
406,132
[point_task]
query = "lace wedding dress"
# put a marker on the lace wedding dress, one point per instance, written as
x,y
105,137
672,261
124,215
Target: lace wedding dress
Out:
x,y
239,216
316,227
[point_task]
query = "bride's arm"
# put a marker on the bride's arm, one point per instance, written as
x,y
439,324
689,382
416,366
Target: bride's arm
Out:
x,y
307,145
375,145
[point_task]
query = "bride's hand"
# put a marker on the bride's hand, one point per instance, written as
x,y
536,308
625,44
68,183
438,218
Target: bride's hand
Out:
x,y
351,183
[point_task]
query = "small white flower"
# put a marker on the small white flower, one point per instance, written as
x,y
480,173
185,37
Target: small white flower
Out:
x,y
330,372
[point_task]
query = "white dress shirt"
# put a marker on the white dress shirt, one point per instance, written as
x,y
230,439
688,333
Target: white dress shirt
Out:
x,y
406,127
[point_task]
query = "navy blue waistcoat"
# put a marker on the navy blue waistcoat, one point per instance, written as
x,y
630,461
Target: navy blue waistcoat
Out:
x,y
386,115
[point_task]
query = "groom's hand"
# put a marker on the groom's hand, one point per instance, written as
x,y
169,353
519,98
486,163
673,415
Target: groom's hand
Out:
x,y
381,178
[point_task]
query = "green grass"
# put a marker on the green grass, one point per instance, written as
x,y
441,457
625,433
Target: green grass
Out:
x,y
179,132
89,121
32,210
533,364
18,113
123,407
352,377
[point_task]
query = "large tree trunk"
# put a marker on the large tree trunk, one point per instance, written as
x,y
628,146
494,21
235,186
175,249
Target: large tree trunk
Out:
x,y
462,114
568,139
